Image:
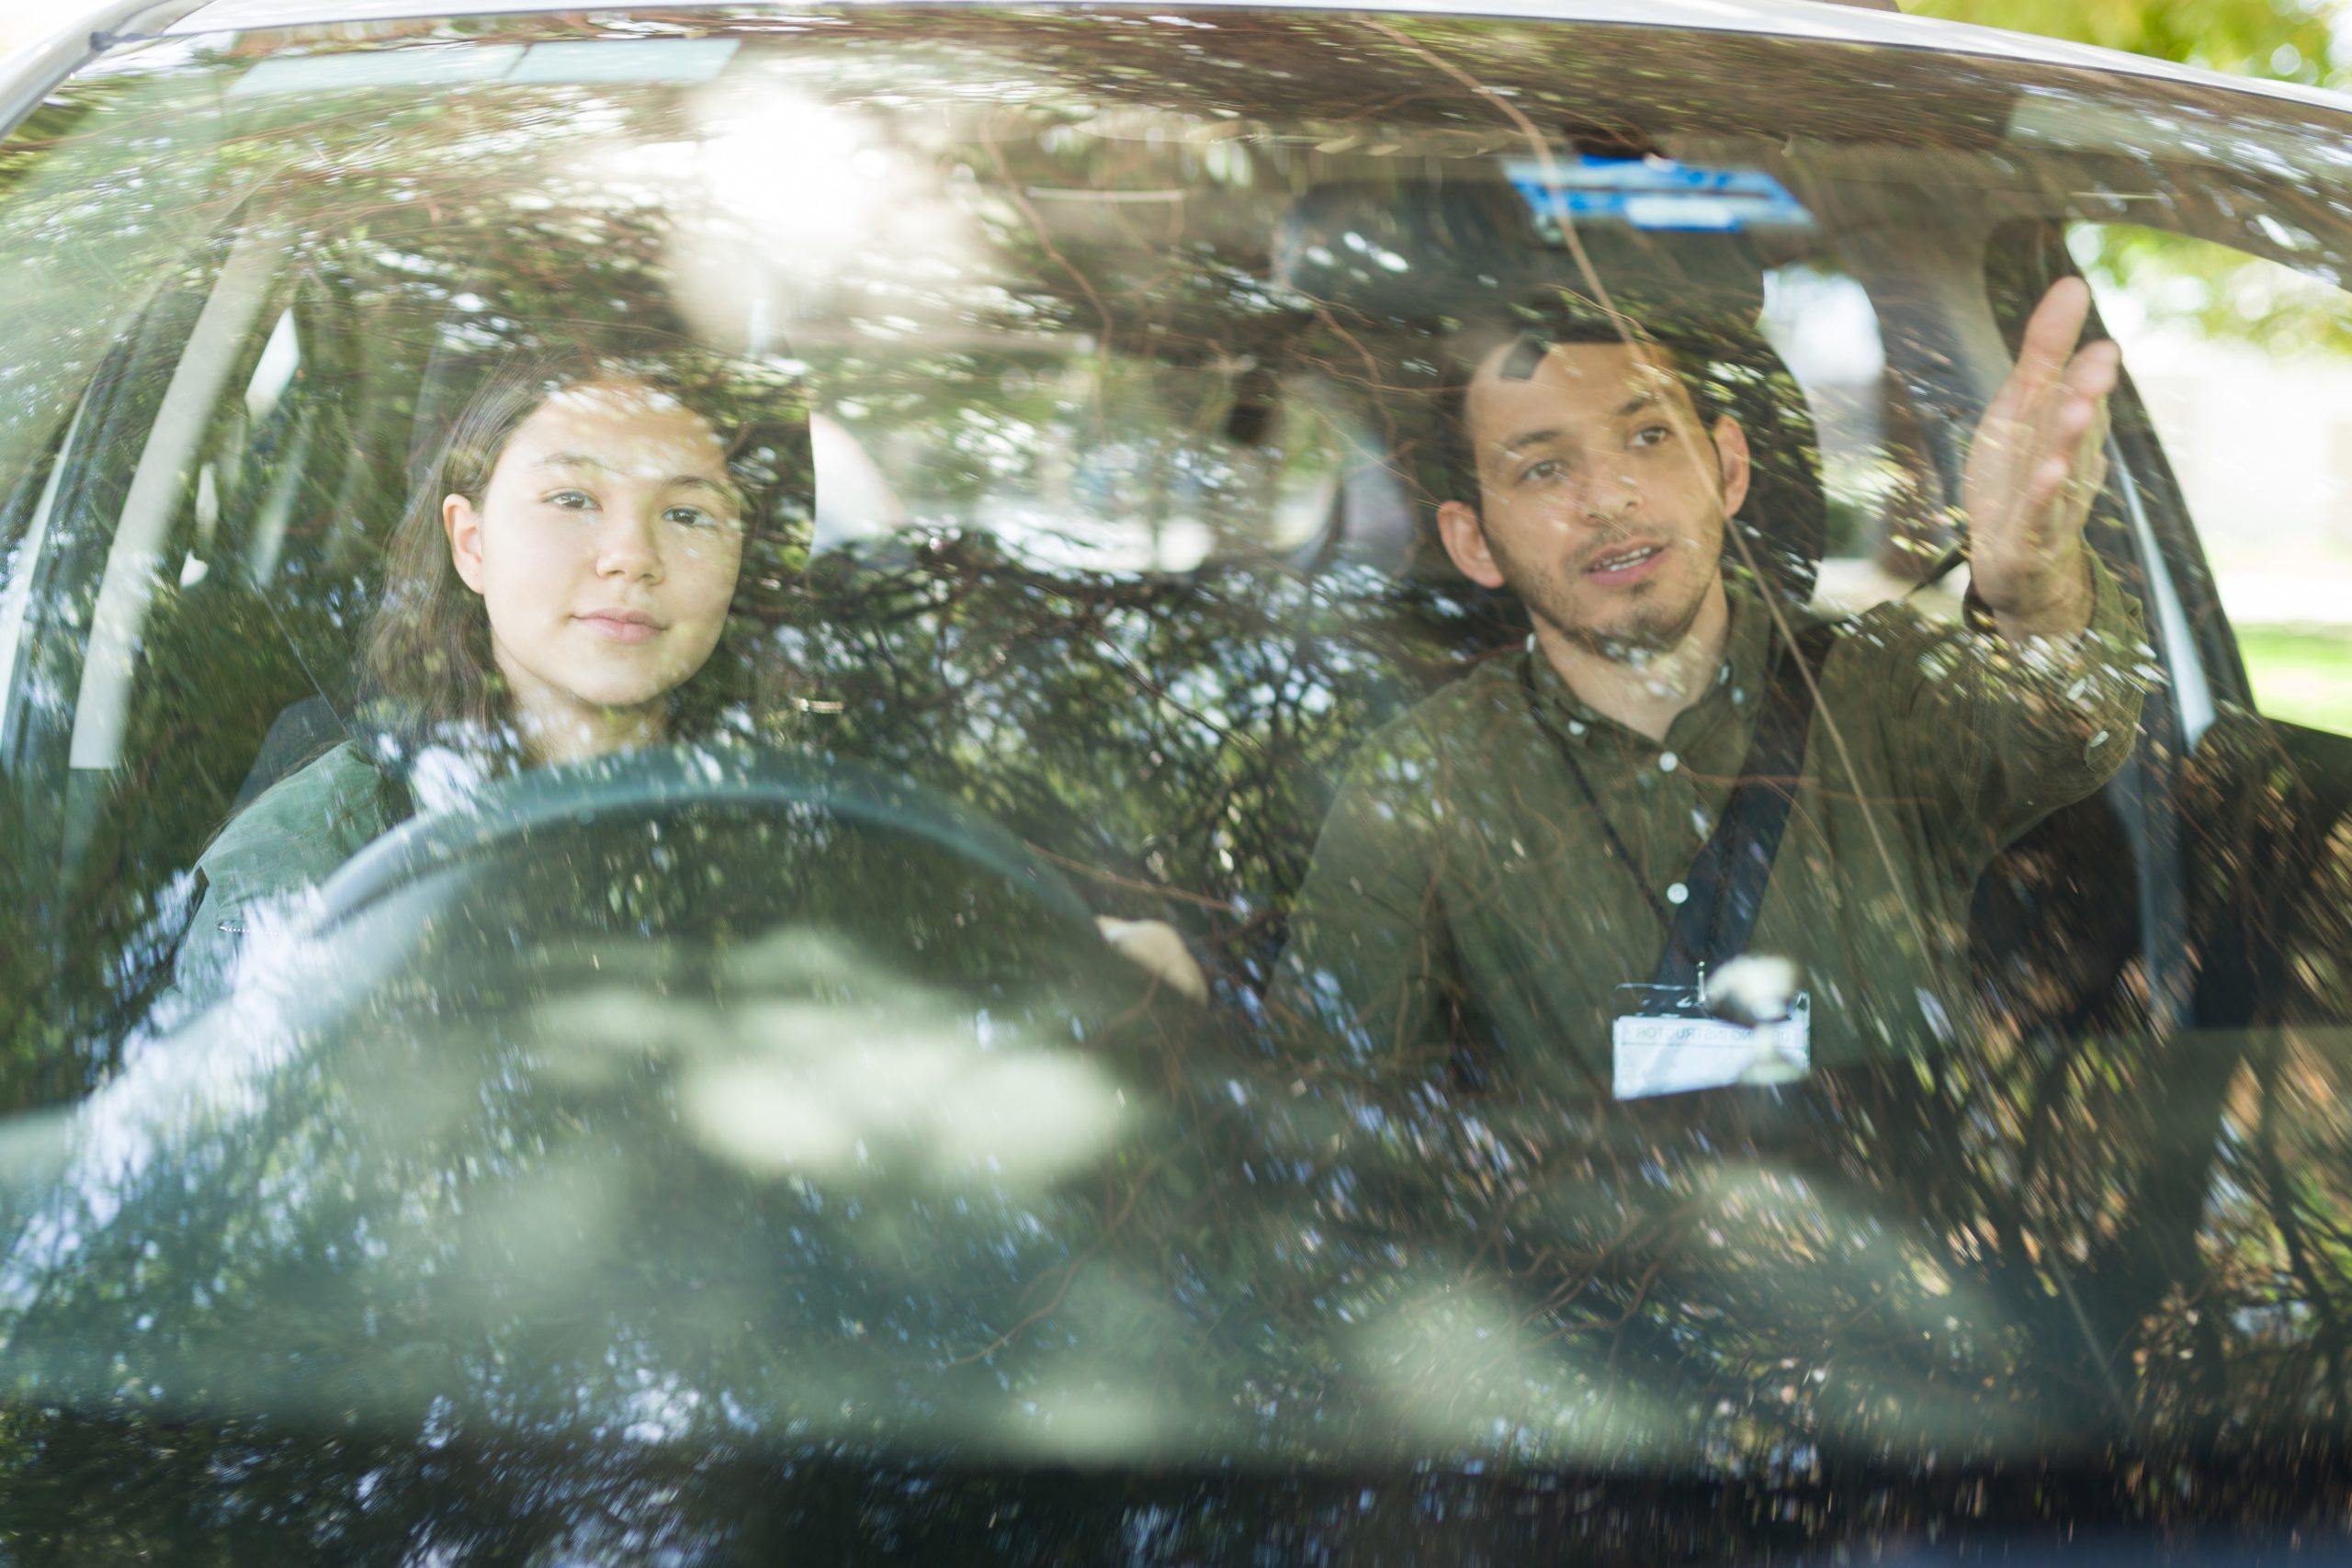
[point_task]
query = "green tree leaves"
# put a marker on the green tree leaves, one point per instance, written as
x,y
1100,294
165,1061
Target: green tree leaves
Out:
x,y
2289,41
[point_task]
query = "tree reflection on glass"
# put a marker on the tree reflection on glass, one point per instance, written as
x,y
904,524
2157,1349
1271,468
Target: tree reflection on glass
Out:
x,y
770,1145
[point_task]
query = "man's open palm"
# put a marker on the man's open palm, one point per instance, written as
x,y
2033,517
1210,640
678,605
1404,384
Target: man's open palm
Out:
x,y
2034,468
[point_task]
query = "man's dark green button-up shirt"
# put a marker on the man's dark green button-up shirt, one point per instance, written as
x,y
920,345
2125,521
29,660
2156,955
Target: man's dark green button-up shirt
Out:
x,y
1463,873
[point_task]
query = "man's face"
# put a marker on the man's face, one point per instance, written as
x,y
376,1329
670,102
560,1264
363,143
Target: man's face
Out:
x,y
1603,499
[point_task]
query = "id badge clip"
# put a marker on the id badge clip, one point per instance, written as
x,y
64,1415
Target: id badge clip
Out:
x,y
1666,1039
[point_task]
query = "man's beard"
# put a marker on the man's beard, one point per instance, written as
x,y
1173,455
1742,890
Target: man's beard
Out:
x,y
1656,627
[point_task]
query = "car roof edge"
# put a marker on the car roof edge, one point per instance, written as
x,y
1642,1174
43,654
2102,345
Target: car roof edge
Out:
x,y
1828,21
40,68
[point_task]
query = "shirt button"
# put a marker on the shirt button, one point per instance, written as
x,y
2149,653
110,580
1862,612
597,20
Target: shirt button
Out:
x,y
1575,727
1676,893
1668,762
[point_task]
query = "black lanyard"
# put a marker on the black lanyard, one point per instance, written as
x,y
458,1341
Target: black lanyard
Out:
x,y
1725,884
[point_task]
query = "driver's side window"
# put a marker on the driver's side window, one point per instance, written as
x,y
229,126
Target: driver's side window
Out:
x,y
183,582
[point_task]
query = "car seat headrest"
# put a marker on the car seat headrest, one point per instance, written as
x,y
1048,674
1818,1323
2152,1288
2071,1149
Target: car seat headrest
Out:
x,y
1395,272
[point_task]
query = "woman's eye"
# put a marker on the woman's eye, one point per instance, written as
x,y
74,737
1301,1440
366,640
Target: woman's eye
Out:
x,y
689,517
572,499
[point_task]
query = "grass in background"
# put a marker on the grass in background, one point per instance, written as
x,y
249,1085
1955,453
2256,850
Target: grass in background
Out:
x,y
2301,674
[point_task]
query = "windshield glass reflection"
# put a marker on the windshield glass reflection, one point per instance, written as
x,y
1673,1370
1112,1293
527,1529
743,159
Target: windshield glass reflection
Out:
x,y
1241,745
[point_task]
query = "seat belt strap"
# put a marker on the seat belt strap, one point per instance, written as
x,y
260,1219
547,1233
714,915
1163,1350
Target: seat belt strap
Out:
x,y
1728,875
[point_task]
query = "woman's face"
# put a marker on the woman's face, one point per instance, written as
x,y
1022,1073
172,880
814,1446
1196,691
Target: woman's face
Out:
x,y
604,548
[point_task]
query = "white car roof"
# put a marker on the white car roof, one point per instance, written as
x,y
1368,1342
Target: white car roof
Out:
x,y
1819,19
1816,20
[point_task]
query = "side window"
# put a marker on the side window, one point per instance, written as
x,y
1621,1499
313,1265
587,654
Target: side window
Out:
x,y
147,666
192,575
2246,368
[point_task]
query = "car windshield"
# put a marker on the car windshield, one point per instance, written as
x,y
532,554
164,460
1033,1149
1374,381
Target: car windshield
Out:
x,y
899,756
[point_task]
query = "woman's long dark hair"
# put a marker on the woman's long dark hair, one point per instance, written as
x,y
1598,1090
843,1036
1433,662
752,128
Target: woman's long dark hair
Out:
x,y
427,673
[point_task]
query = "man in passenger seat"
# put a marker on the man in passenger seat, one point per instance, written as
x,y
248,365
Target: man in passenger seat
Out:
x,y
1538,851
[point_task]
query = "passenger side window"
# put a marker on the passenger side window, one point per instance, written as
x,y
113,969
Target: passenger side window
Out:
x,y
2246,368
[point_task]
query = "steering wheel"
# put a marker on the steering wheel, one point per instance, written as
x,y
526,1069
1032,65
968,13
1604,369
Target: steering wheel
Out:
x,y
650,787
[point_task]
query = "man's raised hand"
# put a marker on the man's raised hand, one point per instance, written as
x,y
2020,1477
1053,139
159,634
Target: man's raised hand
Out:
x,y
2033,471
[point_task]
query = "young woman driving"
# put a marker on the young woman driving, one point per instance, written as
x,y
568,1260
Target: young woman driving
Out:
x,y
560,589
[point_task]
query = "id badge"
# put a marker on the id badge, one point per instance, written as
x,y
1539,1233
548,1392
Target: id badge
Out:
x,y
1664,1041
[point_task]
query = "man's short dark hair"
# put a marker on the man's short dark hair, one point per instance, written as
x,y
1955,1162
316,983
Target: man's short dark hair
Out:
x,y
1529,329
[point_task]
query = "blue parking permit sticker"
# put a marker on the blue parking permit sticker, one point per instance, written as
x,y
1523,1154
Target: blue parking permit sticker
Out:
x,y
1652,193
